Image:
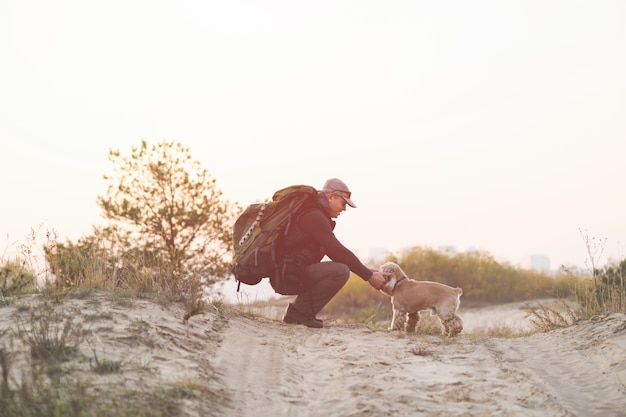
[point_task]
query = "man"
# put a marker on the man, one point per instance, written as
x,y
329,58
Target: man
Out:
x,y
311,238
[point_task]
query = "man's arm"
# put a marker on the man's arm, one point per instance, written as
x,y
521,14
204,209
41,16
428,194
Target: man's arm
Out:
x,y
318,226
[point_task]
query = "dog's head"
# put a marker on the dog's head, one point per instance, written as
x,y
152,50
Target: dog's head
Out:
x,y
394,274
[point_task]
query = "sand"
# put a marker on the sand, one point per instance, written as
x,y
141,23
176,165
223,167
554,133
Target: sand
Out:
x,y
257,366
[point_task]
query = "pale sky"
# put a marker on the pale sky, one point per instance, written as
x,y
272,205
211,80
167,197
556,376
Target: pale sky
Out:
x,y
491,125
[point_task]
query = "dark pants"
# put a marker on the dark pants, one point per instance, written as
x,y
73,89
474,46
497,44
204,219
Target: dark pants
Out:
x,y
323,281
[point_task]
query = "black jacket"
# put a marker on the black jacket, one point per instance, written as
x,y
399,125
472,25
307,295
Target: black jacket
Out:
x,y
312,238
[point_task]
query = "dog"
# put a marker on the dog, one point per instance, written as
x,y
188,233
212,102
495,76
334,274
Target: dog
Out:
x,y
409,297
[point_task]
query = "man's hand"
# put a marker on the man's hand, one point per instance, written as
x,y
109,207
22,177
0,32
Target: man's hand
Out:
x,y
378,279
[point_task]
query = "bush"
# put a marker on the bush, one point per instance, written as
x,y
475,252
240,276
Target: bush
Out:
x,y
15,279
357,301
483,279
606,291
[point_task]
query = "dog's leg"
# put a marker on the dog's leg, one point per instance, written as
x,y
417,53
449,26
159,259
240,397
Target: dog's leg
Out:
x,y
398,319
456,325
413,318
452,326
445,321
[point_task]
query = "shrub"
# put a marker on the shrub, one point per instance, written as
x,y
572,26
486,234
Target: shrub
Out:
x,y
606,291
357,301
15,279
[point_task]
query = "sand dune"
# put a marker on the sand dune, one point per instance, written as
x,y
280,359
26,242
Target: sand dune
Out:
x,y
255,366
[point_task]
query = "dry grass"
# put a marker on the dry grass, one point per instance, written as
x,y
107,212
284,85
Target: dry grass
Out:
x,y
49,333
544,318
44,374
590,298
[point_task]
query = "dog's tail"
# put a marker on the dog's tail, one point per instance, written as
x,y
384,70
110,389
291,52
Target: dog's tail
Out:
x,y
458,290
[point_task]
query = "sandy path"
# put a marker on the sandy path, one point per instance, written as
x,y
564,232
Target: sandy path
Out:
x,y
250,363
241,365
580,371
273,369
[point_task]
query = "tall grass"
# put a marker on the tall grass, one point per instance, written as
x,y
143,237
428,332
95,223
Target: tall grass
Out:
x,y
15,278
92,264
600,295
39,353
50,334
602,290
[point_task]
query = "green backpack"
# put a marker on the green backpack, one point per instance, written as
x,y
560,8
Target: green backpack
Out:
x,y
258,229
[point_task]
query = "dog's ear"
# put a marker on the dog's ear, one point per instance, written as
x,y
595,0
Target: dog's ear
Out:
x,y
386,267
391,269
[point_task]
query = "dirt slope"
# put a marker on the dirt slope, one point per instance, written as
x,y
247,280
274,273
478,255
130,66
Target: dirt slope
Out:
x,y
243,365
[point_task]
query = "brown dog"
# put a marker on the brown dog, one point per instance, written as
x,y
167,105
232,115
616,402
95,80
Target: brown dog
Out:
x,y
409,297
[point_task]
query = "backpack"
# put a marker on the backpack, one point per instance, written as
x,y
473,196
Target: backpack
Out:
x,y
258,229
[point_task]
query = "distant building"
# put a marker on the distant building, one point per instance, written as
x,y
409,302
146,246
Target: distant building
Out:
x,y
378,254
447,250
539,263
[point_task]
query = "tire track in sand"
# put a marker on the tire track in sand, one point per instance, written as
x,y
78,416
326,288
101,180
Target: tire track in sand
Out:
x,y
586,359
250,364
272,369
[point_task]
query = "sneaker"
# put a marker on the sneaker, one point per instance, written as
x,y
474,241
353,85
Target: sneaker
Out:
x,y
293,316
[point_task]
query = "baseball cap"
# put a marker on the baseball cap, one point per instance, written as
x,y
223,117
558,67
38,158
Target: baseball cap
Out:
x,y
336,186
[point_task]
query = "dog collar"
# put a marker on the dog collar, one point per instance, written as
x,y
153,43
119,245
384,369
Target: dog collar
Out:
x,y
398,281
